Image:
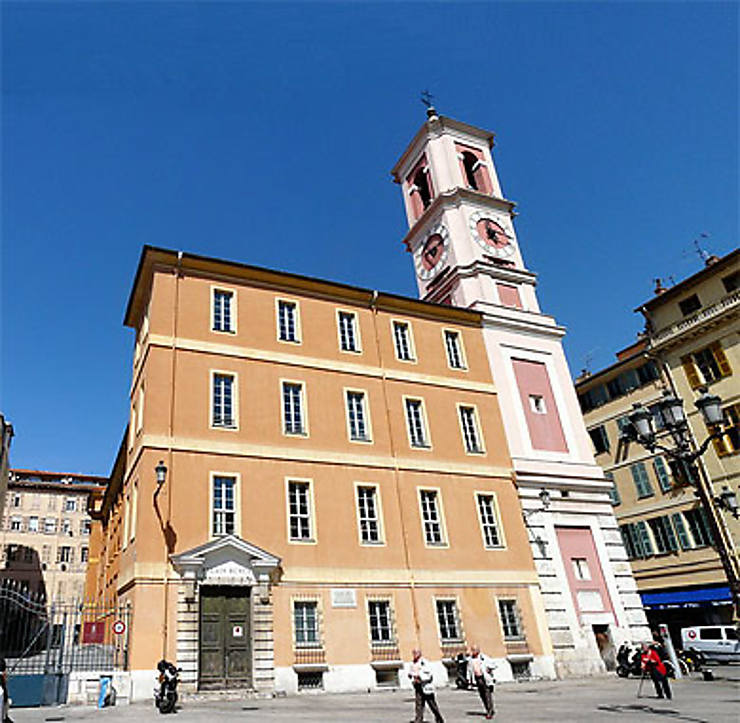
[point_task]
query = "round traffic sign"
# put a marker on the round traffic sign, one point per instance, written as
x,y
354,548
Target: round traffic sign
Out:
x,y
692,634
119,627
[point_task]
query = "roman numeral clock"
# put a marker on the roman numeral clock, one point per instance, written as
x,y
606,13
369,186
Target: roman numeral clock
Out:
x,y
492,233
432,253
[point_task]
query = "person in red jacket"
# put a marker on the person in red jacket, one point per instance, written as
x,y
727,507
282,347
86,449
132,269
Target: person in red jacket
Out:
x,y
653,665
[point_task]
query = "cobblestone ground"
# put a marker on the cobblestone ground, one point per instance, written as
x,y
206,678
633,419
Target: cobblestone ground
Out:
x,y
595,699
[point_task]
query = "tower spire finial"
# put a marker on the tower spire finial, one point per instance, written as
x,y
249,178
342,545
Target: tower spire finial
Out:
x,y
426,99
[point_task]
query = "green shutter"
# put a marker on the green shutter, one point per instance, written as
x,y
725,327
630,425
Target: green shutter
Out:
x,y
662,474
647,543
641,479
683,537
672,543
707,526
634,534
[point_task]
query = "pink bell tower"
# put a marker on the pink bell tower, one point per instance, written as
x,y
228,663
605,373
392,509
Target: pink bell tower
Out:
x,y
466,253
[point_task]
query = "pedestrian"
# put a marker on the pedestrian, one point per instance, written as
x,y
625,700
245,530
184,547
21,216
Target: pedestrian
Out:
x,y
480,672
653,665
422,680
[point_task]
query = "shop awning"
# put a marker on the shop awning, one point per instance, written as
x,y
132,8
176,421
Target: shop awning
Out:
x,y
678,597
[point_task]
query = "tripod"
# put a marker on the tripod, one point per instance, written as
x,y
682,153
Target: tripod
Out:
x,y
642,680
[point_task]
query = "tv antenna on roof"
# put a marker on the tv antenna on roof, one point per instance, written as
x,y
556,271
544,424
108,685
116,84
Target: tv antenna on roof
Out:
x,y
703,253
427,98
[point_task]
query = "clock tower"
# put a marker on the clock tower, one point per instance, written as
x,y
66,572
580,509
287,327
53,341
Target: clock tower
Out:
x,y
466,253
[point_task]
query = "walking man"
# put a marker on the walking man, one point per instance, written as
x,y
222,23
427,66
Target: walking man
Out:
x,y
421,678
653,665
480,672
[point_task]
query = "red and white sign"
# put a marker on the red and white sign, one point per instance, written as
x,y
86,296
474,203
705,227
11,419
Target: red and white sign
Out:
x,y
692,634
119,627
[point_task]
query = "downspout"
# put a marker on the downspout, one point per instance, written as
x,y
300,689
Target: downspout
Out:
x,y
396,470
170,433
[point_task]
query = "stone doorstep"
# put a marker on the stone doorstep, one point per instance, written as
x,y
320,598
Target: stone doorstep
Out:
x,y
202,696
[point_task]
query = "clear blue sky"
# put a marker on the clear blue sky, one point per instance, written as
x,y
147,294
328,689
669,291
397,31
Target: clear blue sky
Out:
x,y
195,127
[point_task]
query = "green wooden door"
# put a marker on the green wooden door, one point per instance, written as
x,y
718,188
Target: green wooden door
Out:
x,y
225,638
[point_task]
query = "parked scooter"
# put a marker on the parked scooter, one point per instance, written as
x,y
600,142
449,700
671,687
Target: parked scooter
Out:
x,y
165,697
629,661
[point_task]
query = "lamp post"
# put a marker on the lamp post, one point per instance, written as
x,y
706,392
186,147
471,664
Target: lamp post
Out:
x,y
684,455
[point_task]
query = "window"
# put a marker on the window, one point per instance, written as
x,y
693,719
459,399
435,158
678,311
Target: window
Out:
x,y
85,526
288,321
641,479
706,365
680,527
402,340
84,554
710,633
299,511
647,373
415,423
665,539
50,525
66,527
306,623
348,338
293,417
614,490
134,511
661,472
537,404
488,516
381,628
599,438
580,568
222,311
64,553
70,504
469,426
689,305
33,524
453,347
731,282
431,517
46,553
367,515
16,500
419,188
447,620
356,417
510,619
698,526
729,442
223,401
16,524
224,506
636,540
140,409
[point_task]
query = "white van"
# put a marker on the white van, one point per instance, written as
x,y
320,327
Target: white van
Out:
x,y
717,642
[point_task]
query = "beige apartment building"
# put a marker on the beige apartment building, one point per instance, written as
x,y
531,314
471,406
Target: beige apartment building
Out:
x,y
45,532
691,342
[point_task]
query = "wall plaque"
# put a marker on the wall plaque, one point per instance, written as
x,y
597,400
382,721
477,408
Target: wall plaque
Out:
x,y
343,597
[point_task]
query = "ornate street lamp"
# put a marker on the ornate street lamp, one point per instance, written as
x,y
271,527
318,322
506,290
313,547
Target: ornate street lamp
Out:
x,y
710,406
727,500
161,471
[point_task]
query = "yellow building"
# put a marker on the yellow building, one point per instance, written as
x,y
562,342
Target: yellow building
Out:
x,y
338,488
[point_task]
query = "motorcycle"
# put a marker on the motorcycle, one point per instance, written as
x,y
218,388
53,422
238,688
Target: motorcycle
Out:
x,y
692,658
629,661
165,697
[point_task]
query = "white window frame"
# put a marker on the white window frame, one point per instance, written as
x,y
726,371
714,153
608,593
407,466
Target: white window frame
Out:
x,y
313,532
439,509
460,639
477,429
134,511
380,542
537,404
460,349
581,569
67,507
212,534
409,340
303,401
140,409
33,526
517,614
425,422
232,309
296,321
393,640
306,600
16,523
497,519
366,415
234,427
126,519
355,331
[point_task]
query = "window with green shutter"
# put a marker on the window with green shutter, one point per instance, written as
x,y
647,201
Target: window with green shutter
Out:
x,y
642,481
628,540
665,539
661,472
683,537
644,535
613,491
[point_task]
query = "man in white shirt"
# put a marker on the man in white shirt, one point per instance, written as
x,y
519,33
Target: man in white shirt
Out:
x,y
422,680
480,673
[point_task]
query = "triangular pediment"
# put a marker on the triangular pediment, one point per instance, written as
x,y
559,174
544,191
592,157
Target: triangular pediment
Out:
x,y
226,560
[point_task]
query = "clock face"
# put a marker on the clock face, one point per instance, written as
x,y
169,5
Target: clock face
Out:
x,y
491,234
432,254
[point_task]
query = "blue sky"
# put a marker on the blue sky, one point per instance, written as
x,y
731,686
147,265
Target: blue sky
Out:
x,y
196,127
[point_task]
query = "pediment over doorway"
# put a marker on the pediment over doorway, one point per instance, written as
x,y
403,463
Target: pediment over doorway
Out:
x,y
227,560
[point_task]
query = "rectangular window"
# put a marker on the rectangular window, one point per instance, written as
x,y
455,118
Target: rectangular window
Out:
x,y
50,525
453,347
299,511
729,442
16,524
381,627
66,527
348,337
641,479
306,623
223,401
661,472
85,527
447,620
222,310
356,417
706,365
644,537
33,524
665,539
683,537
415,423
367,515
689,305
84,554
613,491
488,515
224,506
293,417
70,504
510,619
64,553
402,339
46,553
628,541
600,439
580,568
470,434
698,526
16,500
731,282
431,517
288,321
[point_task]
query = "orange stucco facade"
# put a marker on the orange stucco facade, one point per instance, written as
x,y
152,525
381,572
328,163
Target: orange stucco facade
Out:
x,y
429,542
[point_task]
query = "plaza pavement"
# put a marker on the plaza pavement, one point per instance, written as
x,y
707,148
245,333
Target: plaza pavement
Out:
x,y
605,698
